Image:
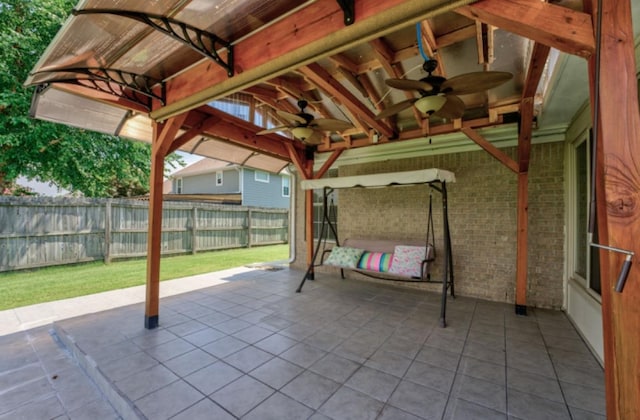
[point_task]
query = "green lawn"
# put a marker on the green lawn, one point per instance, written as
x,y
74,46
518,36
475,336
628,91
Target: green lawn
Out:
x,y
21,288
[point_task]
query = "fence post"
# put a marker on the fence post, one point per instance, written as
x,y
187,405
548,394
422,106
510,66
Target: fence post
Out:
x,y
107,232
249,225
194,230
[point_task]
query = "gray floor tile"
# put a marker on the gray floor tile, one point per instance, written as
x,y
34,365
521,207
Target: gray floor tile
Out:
x,y
186,328
119,369
248,358
430,376
214,318
439,357
276,372
204,410
144,382
204,336
592,377
114,351
484,370
419,400
232,326
224,347
310,389
459,409
324,340
402,346
390,363
169,350
168,401
531,383
47,408
335,367
392,413
450,344
253,334
578,414
584,397
279,407
152,338
303,355
485,352
213,377
242,395
276,344
188,363
98,409
373,383
350,404
480,392
528,406
537,363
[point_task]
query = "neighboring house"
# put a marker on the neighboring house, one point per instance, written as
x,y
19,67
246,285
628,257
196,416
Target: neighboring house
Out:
x,y
215,180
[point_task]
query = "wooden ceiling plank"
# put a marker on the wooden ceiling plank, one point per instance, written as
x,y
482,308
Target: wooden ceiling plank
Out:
x,y
565,29
320,77
118,101
346,62
456,36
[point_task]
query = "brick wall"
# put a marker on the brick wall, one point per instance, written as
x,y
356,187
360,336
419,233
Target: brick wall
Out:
x,y
482,215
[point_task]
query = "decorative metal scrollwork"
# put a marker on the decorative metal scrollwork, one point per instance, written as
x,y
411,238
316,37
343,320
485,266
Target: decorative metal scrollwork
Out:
x,y
187,34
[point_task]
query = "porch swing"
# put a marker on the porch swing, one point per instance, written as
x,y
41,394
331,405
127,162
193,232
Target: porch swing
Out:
x,y
356,254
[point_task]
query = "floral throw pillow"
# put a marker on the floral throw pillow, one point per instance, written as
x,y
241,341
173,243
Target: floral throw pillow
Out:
x,y
407,260
344,257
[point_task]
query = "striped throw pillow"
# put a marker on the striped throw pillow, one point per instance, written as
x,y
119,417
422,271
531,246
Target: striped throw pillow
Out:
x,y
375,261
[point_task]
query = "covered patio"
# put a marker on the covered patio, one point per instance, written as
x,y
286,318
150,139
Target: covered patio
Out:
x,y
250,347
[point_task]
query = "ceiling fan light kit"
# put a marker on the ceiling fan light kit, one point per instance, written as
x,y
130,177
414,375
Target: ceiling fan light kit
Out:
x,y
302,133
430,104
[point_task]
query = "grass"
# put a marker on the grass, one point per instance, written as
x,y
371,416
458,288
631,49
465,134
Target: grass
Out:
x,y
21,288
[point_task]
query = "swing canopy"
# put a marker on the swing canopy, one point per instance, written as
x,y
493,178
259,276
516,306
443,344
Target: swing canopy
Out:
x,y
422,176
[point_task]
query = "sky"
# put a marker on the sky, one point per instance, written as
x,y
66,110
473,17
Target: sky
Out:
x,y
188,158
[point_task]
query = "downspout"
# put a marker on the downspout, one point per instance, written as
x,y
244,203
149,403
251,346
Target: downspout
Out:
x,y
292,216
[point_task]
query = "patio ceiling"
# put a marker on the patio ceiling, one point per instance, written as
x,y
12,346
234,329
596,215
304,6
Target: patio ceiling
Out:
x,y
116,66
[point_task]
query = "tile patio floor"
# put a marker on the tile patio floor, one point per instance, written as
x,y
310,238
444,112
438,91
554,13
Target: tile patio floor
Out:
x,y
252,348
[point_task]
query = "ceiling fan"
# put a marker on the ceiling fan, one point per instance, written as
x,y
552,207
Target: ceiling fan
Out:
x,y
306,127
438,95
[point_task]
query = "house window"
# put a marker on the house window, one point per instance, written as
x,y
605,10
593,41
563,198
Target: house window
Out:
x,y
219,178
262,176
332,203
586,258
286,186
179,186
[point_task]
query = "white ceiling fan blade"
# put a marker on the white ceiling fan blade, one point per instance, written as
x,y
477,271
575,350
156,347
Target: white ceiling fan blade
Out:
x,y
291,117
274,130
330,124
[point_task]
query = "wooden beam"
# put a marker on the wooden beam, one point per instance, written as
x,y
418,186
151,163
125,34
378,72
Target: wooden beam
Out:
x,y
320,77
298,159
617,192
565,29
537,63
304,36
327,164
456,36
431,45
196,130
525,134
163,135
490,148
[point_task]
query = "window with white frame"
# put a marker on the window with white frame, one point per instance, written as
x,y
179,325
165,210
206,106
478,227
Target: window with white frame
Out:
x,y
219,177
179,186
586,264
262,176
286,186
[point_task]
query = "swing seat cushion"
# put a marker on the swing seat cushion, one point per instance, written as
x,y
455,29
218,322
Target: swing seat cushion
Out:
x,y
375,261
346,257
407,260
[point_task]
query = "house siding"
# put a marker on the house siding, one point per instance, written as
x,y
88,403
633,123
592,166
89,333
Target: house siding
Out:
x,y
482,214
206,183
263,194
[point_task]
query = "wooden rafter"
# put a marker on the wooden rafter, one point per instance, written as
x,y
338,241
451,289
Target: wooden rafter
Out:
x,y
459,35
320,77
490,148
556,26
430,45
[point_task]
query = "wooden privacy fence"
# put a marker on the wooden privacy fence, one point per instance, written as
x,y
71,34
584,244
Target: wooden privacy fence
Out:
x,y
39,232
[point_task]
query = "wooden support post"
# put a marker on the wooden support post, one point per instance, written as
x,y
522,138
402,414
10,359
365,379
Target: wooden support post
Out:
x,y
617,192
308,202
194,231
521,252
163,136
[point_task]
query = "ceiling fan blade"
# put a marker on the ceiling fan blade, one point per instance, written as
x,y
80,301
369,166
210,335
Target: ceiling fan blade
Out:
x,y
315,139
291,117
330,124
395,108
475,82
274,130
408,84
453,108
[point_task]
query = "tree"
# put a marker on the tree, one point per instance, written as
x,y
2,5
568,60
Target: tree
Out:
x,y
94,164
